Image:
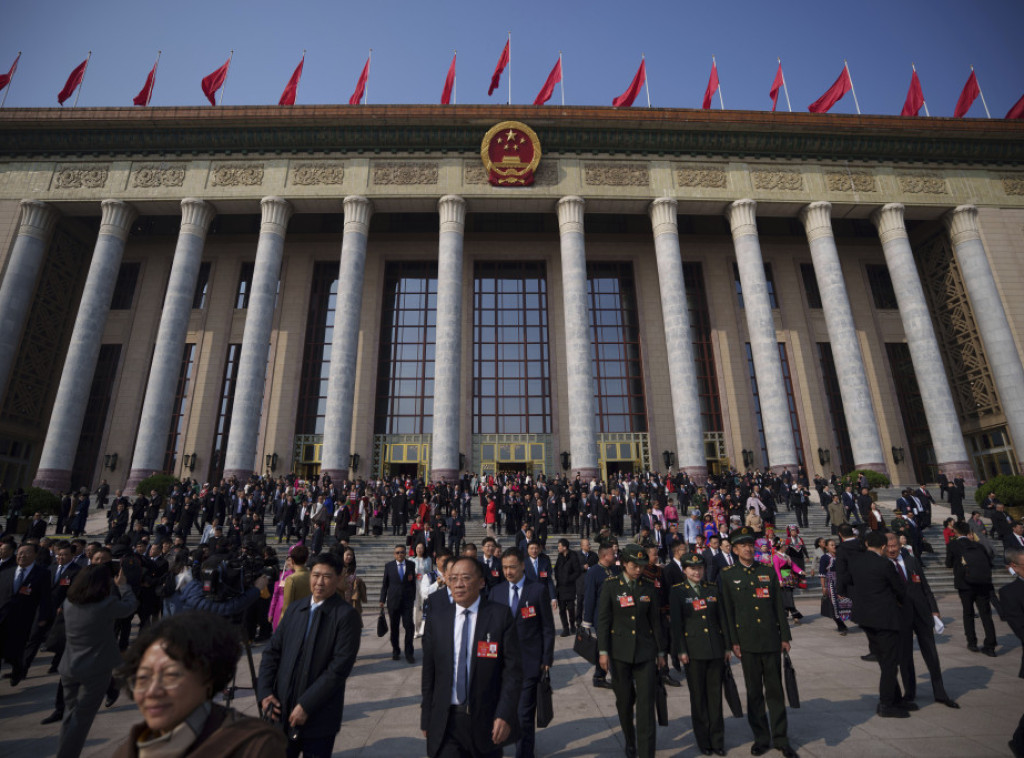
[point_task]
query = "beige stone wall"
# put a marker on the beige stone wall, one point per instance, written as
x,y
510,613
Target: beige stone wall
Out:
x,y
9,216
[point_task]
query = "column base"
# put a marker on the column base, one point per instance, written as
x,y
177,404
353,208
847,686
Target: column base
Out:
x,y
337,475
881,468
135,476
782,468
53,479
698,474
962,469
586,474
449,475
242,475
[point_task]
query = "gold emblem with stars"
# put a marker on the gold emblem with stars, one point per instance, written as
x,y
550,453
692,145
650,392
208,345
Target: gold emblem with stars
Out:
x,y
511,153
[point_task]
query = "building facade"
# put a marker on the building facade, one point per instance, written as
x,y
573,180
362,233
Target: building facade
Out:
x,y
215,292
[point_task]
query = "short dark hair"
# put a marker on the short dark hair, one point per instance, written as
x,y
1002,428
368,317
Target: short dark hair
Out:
x,y
535,542
466,546
564,543
489,539
91,585
877,539
477,568
328,559
202,642
513,552
845,531
962,528
299,555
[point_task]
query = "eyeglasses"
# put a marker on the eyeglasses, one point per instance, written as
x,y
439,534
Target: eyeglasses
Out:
x,y
168,680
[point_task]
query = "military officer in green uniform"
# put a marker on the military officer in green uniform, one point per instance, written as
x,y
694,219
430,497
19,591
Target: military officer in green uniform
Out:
x,y
758,633
698,641
631,645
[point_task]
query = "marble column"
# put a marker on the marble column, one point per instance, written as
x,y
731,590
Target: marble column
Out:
x,y
993,326
579,369
682,366
444,451
157,407
947,439
240,459
842,334
764,345
68,414
34,232
341,384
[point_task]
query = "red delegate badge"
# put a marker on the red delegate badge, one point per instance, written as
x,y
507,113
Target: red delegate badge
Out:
x,y
761,592
528,612
486,649
626,601
700,605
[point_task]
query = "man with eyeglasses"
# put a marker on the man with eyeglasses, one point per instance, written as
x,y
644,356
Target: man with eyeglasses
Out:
x,y
398,594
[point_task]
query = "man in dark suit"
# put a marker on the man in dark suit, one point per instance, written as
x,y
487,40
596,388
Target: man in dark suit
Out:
x,y
24,592
491,564
538,568
398,593
956,503
62,573
535,627
1014,540
1011,598
304,669
1001,521
972,578
472,673
673,570
36,528
568,571
588,559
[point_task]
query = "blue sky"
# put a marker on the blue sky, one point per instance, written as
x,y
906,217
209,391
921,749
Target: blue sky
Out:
x,y
601,42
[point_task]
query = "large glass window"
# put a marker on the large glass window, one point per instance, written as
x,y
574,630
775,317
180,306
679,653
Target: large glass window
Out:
x,y
227,402
615,348
703,352
244,289
511,368
405,366
881,287
810,285
840,432
96,408
316,356
124,287
790,397
178,409
202,284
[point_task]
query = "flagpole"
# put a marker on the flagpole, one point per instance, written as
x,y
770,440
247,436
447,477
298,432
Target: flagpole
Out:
x,y
510,67
646,85
850,77
714,65
303,62
366,87
86,71
923,101
455,81
224,86
561,79
784,87
987,114
8,87
155,69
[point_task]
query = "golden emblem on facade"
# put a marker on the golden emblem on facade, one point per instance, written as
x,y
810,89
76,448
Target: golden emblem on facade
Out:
x,y
511,153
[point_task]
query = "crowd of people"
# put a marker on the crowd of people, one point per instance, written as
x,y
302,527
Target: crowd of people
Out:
x,y
709,573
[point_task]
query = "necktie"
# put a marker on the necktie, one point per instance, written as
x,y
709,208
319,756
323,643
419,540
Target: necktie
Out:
x,y
515,598
18,578
60,570
903,574
401,571
462,675
309,624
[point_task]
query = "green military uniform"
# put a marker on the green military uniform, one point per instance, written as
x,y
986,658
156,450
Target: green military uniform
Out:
x,y
756,621
697,625
629,632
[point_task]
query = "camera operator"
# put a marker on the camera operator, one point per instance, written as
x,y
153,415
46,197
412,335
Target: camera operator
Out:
x,y
219,587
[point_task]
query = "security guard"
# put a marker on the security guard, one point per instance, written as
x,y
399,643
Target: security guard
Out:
x,y
699,643
757,631
629,639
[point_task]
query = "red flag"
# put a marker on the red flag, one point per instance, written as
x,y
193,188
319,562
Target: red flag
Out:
x,y
777,83
915,97
73,81
626,98
502,62
834,93
357,96
215,81
449,84
1017,111
549,86
712,86
288,96
147,89
967,97
5,79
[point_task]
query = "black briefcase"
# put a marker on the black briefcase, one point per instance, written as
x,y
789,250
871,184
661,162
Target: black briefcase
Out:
x,y
661,703
789,675
586,645
732,694
382,624
545,704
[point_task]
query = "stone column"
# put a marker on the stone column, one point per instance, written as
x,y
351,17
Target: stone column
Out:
x,y
34,232
68,414
444,451
240,459
341,384
853,380
157,408
764,345
579,370
682,367
1003,355
947,439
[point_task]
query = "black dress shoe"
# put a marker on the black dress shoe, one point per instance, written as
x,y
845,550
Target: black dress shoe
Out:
x,y
16,678
990,652
869,657
667,679
396,656
111,699
908,705
53,718
972,647
630,751
565,633
892,712
708,751
788,752
719,751
410,658
948,702
603,684
758,749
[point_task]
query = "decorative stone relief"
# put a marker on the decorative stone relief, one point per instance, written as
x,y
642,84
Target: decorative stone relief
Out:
x,y
545,175
702,176
474,173
777,179
922,184
405,172
150,175
1013,184
850,181
617,174
237,175
309,174
90,177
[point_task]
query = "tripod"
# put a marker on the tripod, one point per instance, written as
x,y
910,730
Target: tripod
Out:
x,y
229,691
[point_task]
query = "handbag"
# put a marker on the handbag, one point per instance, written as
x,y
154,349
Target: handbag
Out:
x,y
661,703
382,624
586,645
732,694
827,611
789,674
545,704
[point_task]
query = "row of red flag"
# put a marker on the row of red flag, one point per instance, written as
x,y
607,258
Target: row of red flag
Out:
x,y
215,82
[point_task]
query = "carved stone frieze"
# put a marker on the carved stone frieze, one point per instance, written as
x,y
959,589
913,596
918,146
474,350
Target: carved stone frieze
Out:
x,y
1013,184
405,172
82,177
310,174
925,183
237,175
850,181
617,174
151,175
787,179
713,177
546,174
